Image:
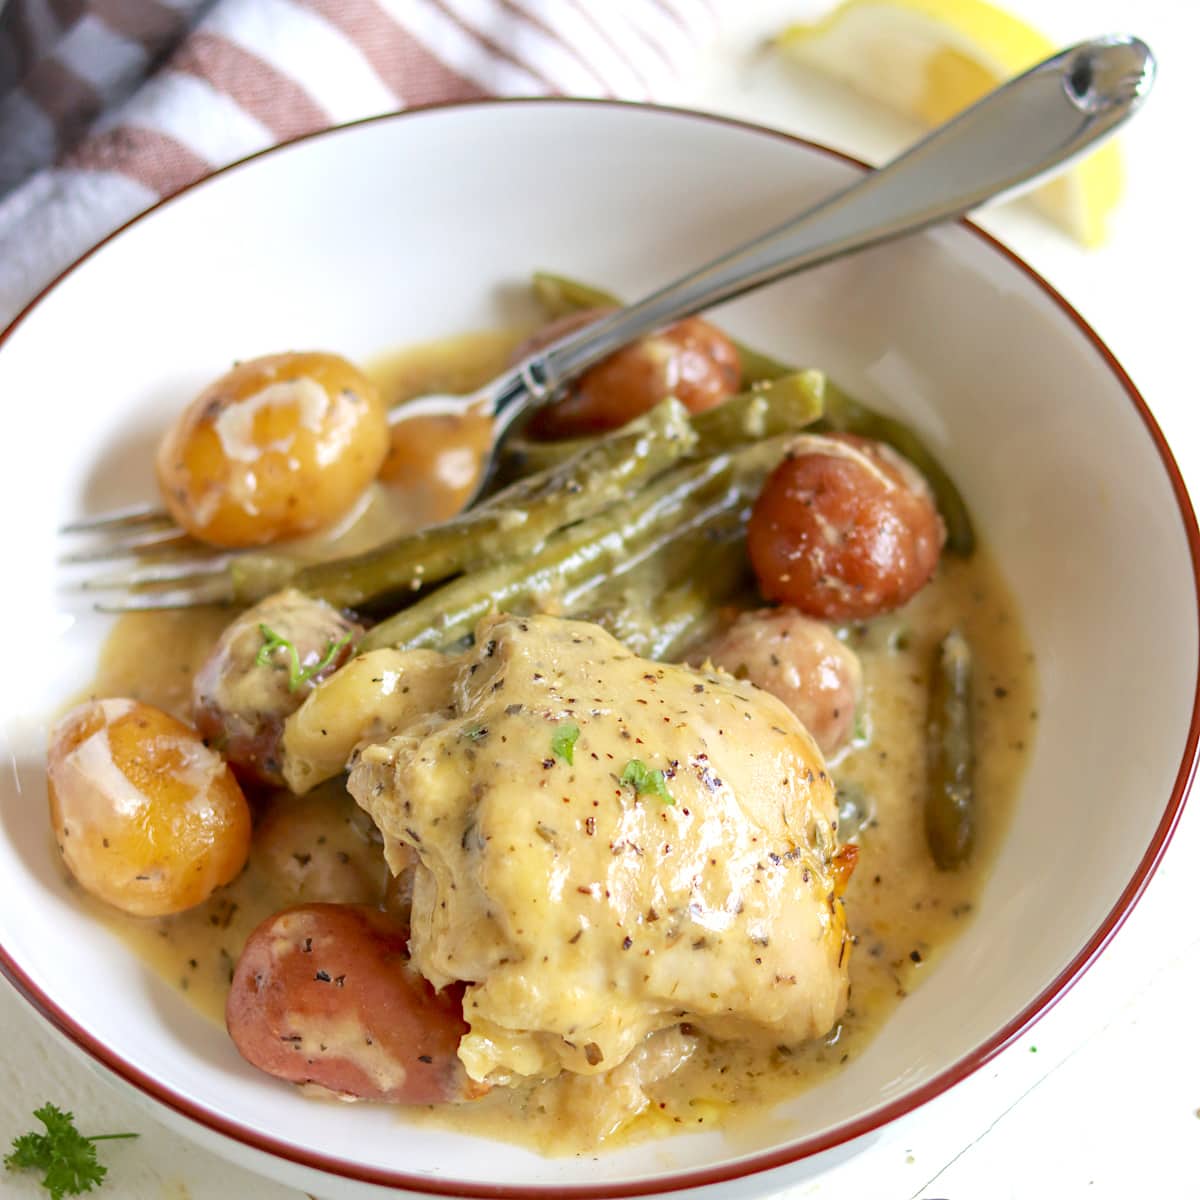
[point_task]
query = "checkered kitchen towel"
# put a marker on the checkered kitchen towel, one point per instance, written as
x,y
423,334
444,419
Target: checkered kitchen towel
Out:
x,y
108,105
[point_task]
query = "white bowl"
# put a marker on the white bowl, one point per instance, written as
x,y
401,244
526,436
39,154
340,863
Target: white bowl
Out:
x,y
415,226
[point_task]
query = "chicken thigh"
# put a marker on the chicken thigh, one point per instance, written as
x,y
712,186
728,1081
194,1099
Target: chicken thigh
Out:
x,y
609,847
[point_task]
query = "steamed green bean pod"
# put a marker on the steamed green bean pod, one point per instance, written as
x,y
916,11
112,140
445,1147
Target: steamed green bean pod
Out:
x,y
682,617
784,405
558,295
513,521
671,600
788,404
950,786
579,560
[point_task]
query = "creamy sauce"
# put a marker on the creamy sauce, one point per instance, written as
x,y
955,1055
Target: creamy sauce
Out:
x,y
900,907
434,462
902,910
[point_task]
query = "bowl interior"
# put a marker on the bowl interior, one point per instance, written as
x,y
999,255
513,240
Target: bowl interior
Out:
x,y
410,228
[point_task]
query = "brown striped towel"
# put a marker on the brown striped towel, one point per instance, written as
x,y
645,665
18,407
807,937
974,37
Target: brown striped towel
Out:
x,y
108,105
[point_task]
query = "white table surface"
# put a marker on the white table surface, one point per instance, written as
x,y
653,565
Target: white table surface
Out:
x,y
1102,1098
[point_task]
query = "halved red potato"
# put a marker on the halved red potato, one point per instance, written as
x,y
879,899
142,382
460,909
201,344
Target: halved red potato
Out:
x,y
325,994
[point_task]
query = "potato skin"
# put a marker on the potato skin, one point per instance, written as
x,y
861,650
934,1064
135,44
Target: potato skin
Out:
x,y
240,705
844,529
320,848
325,994
690,360
278,447
799,661
146,816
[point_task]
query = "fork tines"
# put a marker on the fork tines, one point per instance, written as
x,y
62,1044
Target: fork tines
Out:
x,y
135,516
165,568
153,539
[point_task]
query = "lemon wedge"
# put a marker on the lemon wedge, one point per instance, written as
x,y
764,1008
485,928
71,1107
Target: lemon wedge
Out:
x,y
930,59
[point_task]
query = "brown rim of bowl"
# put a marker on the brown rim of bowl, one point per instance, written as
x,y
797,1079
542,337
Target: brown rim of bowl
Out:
x,y
805,1147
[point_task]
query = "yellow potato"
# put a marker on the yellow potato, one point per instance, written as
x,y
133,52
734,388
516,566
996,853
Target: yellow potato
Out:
x,y
146,816
277,448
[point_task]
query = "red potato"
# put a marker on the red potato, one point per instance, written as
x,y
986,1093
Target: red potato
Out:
x,y
691,360
320,847
799,661
844,529
240,703
325,994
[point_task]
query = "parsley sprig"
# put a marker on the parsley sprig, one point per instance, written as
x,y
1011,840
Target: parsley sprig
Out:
x,y
66,1158
646,782
562,744
298,676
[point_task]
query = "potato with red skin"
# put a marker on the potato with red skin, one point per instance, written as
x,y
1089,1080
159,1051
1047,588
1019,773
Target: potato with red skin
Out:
x,y
320,847
240,704
799,661
325,994
844,529
690,360
147,817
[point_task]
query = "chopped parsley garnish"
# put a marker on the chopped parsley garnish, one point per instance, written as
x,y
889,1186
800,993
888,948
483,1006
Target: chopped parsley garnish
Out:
x,y
298,676
860,724
66,1158
646,782
475,732
563,742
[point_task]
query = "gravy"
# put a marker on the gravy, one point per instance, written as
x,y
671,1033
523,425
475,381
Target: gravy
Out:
x,y
903,911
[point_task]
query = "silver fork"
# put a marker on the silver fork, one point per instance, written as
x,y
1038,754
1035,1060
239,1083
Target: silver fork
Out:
x,y
1011,137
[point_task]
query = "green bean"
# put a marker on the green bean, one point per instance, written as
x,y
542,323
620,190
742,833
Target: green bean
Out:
x,y
621,600
521,455
788,404
843,414
784,405
950,786
637,451
758,367
577,561
660,571
513,521
570,558
671,600
680,616
559,295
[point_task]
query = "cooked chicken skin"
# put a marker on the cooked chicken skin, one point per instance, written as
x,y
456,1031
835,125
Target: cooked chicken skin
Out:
x,y
589,902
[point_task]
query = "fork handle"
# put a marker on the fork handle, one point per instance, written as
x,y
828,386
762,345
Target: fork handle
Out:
x,y
1013,135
